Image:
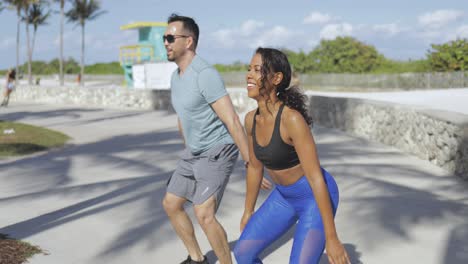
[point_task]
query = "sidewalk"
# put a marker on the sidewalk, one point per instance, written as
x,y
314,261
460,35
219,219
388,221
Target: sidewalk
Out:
x,y
98,200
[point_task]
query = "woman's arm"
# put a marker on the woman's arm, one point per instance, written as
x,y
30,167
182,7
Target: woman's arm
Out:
x,y
254,174
299,132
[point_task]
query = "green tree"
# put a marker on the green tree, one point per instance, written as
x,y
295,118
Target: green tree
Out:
x,y
450,56
82,11
300,62
345,54
395,66
237,66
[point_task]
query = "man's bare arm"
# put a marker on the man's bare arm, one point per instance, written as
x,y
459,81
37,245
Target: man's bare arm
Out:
x,y
181,131
225,111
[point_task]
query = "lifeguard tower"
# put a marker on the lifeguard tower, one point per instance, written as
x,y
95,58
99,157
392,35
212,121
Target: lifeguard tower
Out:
x,y
145,64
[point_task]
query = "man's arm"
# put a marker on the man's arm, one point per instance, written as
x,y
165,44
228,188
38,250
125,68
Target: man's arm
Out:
x,y
225,111
181,131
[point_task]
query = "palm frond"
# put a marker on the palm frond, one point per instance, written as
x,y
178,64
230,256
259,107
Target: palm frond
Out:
x,y
83,10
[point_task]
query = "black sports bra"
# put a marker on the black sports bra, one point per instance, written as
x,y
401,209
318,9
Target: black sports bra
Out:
x,y
277,155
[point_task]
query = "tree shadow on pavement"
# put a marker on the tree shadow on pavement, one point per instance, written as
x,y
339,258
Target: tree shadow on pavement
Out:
x,y
134,179
457,249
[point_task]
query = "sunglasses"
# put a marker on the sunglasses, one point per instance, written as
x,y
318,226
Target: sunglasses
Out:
x,y
172,38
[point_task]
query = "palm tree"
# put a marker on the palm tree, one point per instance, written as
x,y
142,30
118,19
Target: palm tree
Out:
x,y
81,11
19,6
62,17
16,4
37,16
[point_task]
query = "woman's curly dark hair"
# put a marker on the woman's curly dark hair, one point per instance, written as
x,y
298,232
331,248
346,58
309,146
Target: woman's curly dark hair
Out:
x,y
276,61
12,74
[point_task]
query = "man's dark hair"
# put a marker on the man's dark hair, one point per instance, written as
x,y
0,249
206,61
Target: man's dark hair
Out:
x,y
188,24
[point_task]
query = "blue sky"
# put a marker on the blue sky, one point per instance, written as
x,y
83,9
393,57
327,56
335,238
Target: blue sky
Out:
x,y
231,30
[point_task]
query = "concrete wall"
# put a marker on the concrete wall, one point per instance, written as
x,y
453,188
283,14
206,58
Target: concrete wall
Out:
x,y
437,136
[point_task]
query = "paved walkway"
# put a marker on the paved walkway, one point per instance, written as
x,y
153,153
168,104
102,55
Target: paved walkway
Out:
x,y
98,200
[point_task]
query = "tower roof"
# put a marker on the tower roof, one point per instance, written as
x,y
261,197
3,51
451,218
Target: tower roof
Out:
x,y
136,25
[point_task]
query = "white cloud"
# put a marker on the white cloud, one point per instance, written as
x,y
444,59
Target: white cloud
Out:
x,y
232,37
318,18
332,31
226,38
277,36
439,18
388,29
462,32
252,34
250,26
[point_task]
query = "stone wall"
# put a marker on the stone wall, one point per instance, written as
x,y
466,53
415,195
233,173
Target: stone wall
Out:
x,y
91,96
436,136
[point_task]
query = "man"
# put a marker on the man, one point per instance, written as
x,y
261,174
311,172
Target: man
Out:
x,y
210,127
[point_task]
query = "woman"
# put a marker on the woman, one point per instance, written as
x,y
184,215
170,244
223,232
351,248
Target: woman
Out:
x,y
10,86
280,139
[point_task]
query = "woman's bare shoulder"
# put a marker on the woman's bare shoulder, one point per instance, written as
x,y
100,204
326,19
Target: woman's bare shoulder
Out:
x,y
291,115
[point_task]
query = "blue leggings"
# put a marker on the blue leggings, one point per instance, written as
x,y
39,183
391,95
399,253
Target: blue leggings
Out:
x,y
286,206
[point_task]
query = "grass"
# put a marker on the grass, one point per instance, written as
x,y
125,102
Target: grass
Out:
x,y
13,251
20,139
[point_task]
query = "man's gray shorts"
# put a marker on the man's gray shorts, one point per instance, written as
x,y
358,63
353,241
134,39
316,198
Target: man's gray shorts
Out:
x,y
198,177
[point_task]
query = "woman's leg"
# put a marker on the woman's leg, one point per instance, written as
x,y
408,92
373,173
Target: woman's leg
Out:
x,y
7,97
4,97
267,224
309,238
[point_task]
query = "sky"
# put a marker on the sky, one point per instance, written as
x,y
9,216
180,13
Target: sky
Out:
x,y
230,31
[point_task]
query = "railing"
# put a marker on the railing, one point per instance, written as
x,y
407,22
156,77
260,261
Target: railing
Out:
x,y
133,54
346,82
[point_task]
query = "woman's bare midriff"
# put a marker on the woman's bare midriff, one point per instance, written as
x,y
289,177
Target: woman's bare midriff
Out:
x,y
287,176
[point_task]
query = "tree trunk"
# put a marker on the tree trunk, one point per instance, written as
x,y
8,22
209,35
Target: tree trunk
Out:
x,y
33,40
29,52
17,44
62,15
82,53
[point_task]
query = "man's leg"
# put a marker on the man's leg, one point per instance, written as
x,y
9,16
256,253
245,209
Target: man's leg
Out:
x,y
212,174
174,207
215,233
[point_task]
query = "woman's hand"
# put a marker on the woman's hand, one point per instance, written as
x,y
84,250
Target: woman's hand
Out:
x,y
336,252
266,184
244,220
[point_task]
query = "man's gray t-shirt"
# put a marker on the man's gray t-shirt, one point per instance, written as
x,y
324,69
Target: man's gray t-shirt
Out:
x,y
191,96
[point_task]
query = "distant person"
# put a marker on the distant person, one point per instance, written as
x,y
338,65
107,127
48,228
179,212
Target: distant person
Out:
x,y
213,136
305,195
9,87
